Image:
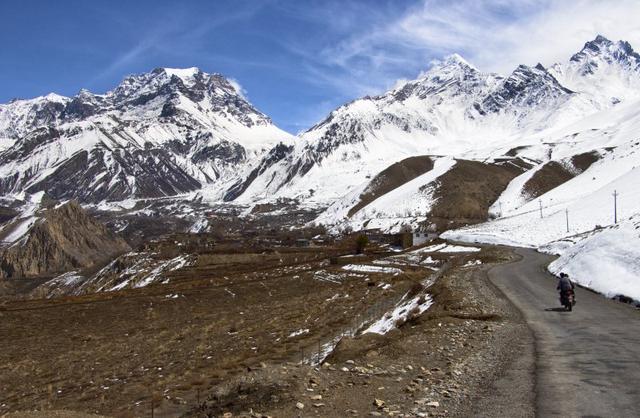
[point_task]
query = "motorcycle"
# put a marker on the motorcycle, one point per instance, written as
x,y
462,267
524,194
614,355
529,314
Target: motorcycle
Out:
x,y
568,299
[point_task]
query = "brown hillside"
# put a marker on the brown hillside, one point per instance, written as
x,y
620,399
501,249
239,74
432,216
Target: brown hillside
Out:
x,y
554,173
65,238
392,177
465,193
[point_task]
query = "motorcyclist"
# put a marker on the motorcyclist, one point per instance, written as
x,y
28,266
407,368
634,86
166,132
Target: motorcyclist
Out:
x,y
565,285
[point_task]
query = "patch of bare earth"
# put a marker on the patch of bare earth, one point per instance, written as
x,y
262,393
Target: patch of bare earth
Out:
x,y
451,361
119,353
393,177
554,174
224,341
465,193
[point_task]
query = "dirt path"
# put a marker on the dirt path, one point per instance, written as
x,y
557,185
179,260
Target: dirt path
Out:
x,y
588,360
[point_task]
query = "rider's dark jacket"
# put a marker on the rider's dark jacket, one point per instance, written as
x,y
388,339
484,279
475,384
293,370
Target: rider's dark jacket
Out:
x,y
565,284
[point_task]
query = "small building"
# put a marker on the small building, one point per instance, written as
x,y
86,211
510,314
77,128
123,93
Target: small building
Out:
x,y
302,242
423,235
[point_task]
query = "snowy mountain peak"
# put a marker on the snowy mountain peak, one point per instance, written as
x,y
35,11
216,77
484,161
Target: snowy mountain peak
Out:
x,y
160,133
53,97
608,71
451,64
456,59
452,76
183,73
602,49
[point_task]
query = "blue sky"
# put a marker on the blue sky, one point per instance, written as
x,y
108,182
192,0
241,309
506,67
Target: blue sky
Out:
x,y
296,60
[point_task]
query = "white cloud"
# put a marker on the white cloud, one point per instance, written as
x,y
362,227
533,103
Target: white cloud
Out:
x,y
494,35
238,88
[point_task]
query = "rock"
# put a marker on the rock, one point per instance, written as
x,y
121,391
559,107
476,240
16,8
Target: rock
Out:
x,y
433,404
379,403
299,405
227,415
372,353
375,414
318,405
316,397
344,369
64,238
350,362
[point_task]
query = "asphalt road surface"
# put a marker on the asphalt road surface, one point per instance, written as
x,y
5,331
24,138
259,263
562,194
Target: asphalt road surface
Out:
x,y
587,361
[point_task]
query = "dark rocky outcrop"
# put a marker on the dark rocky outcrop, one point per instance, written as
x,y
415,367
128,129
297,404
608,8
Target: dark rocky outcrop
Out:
x,y
63,239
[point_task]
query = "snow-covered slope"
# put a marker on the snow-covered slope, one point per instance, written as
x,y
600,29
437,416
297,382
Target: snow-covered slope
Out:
x,y
161,133
453,109
604,70
577,220
544,120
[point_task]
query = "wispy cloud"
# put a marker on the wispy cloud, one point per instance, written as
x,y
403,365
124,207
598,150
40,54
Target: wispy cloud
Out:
x,y
175,34
496,35
238,87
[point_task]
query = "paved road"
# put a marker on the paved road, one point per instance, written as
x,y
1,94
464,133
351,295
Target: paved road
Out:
x,y
587,361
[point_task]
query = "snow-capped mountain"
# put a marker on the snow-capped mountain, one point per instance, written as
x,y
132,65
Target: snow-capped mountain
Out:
x,y
170,132
454,110
161,133
605,70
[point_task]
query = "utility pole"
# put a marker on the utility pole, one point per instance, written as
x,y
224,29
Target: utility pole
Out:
x,y
615,206
540,201
567,214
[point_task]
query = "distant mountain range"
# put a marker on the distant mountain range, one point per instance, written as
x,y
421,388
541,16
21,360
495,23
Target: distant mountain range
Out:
x,y
183,132
162,133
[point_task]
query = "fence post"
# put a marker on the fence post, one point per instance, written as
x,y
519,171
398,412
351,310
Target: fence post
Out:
x,y
540,201
615,207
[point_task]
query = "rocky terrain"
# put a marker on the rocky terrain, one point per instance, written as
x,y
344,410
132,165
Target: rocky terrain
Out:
x,y
61,239
447,362
217,340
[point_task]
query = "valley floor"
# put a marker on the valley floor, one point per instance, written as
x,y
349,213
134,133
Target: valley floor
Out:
x,y
213,344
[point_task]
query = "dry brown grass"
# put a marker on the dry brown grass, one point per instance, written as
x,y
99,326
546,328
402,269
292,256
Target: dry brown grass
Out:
x,y
465,193
392,177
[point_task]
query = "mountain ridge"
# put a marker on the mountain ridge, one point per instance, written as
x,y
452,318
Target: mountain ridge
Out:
x,y
172,132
